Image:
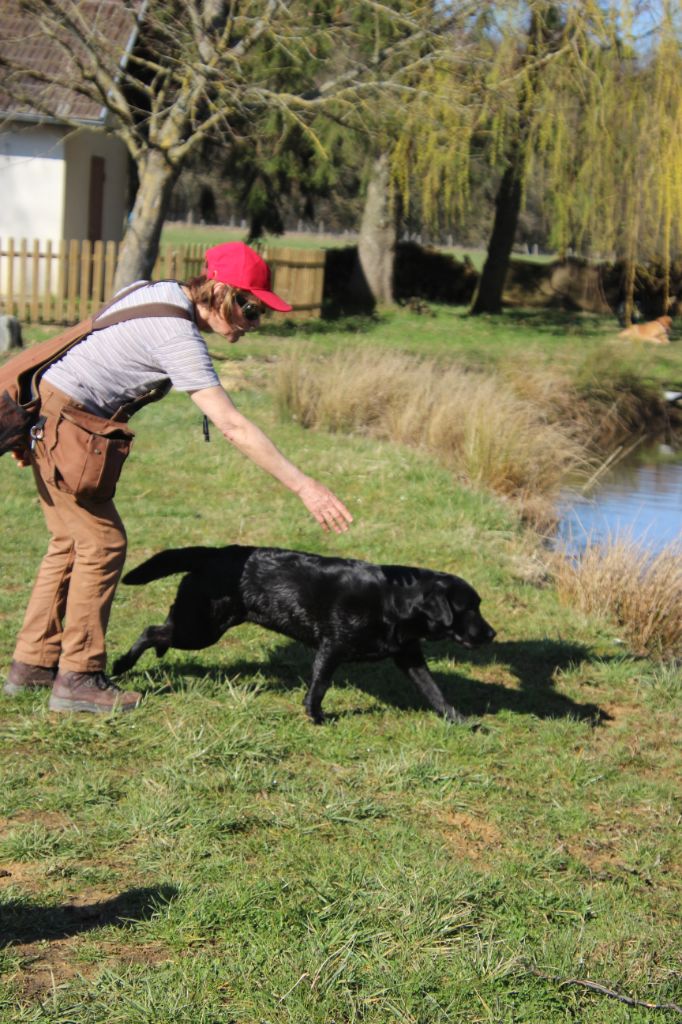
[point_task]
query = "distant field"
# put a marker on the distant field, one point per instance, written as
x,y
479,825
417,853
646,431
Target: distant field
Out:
x,y
177,233
187,234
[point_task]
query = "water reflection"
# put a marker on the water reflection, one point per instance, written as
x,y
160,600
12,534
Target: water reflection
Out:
x,y
636,500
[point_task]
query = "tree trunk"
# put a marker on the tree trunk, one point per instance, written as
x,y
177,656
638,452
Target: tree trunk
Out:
x,y
141,240
631,272
374,269
542,40
488,295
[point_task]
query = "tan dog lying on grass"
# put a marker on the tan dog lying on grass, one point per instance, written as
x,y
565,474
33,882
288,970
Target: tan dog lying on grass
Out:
x,y
655,331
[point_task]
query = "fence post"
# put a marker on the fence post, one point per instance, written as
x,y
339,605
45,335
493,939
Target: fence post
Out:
x,y
22,279
86,268
109,270
47,287
10,276
72,281
61,281
98,274
35,281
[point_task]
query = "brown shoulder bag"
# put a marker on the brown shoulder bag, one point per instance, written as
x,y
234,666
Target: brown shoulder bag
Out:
x,y
85,452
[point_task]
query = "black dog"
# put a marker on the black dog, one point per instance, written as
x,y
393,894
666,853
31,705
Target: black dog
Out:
x,y
345,609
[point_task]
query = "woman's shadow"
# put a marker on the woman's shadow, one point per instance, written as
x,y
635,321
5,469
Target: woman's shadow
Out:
x,y
533,663
22,921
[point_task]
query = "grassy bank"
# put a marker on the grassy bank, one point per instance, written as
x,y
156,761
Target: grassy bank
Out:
x,y
517,422
214,858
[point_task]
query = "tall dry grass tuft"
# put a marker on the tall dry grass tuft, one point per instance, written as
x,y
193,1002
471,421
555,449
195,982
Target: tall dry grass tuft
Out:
x,y
474,422
616,398
640,591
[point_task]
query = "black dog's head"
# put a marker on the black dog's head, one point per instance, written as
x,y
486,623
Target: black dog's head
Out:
x,y
446,608
456,606
470,629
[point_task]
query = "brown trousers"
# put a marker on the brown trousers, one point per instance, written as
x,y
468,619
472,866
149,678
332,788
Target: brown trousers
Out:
x,y
68,611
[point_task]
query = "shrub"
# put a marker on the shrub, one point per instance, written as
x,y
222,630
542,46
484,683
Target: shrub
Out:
x,y
489,436
638,590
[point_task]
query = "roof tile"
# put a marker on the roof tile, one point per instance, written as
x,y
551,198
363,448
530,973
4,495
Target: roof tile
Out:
x,y
36,66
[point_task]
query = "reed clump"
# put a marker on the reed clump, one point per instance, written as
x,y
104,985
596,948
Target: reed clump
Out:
x,y
615,397
475,422
638,590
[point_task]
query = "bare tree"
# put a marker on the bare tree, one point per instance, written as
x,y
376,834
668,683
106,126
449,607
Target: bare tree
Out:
x,y
201,71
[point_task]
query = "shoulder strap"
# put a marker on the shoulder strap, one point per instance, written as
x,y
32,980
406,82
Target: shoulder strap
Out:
x,y
20,374
148,309
101,321
98,322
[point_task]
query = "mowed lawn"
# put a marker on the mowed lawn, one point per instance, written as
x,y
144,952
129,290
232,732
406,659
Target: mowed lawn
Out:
x,y
214,858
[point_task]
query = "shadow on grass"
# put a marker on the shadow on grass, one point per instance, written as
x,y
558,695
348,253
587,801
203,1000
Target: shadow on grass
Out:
x,y
556,322
332,323
24,922
533,663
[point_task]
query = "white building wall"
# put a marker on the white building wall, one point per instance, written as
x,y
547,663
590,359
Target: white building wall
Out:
x,y
45,191
32,183
79,148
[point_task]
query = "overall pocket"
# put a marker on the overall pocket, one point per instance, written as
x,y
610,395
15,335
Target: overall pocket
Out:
x,y
87,453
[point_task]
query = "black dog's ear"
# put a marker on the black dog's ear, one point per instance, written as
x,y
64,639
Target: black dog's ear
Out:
x,y
462,597
438,607
404,602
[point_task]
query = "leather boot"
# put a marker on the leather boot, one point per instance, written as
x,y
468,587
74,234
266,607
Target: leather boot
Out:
x,y
22,677
90,691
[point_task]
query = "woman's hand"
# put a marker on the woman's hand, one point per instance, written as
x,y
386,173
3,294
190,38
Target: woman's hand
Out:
x,y
330,512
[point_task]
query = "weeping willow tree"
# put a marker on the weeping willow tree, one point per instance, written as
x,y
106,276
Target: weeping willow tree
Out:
x,y
437,141
479,110
569,95
611,164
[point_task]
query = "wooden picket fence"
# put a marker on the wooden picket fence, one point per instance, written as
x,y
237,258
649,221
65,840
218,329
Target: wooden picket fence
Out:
x,y
63,283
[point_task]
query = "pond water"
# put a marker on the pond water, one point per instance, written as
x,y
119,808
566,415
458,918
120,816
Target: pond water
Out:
x,y
638,500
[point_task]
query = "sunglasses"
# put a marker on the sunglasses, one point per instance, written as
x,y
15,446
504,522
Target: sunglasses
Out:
x,y
251,309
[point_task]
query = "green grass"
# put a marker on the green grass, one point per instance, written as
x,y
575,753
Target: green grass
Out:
x,y
215,858
581,343
180,233
188,234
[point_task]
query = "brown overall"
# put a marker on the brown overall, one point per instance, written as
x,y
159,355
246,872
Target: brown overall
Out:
x,y
78,576
68,611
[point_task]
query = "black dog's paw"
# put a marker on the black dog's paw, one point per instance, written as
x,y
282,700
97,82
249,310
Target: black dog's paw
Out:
x,y
456,717
120,666
316,717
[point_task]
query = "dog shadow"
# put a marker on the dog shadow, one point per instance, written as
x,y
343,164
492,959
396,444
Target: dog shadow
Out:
x,y
25,922
534,664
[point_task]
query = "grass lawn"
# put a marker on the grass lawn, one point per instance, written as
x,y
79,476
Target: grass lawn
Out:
x,y
179,233
215,859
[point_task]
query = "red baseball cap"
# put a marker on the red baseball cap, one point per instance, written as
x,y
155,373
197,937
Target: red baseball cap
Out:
x,y
239,265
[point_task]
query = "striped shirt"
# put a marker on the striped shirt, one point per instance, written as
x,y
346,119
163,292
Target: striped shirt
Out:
x,y
122,362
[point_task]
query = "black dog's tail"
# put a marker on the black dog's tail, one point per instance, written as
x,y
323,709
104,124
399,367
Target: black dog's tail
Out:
x,y
165,563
